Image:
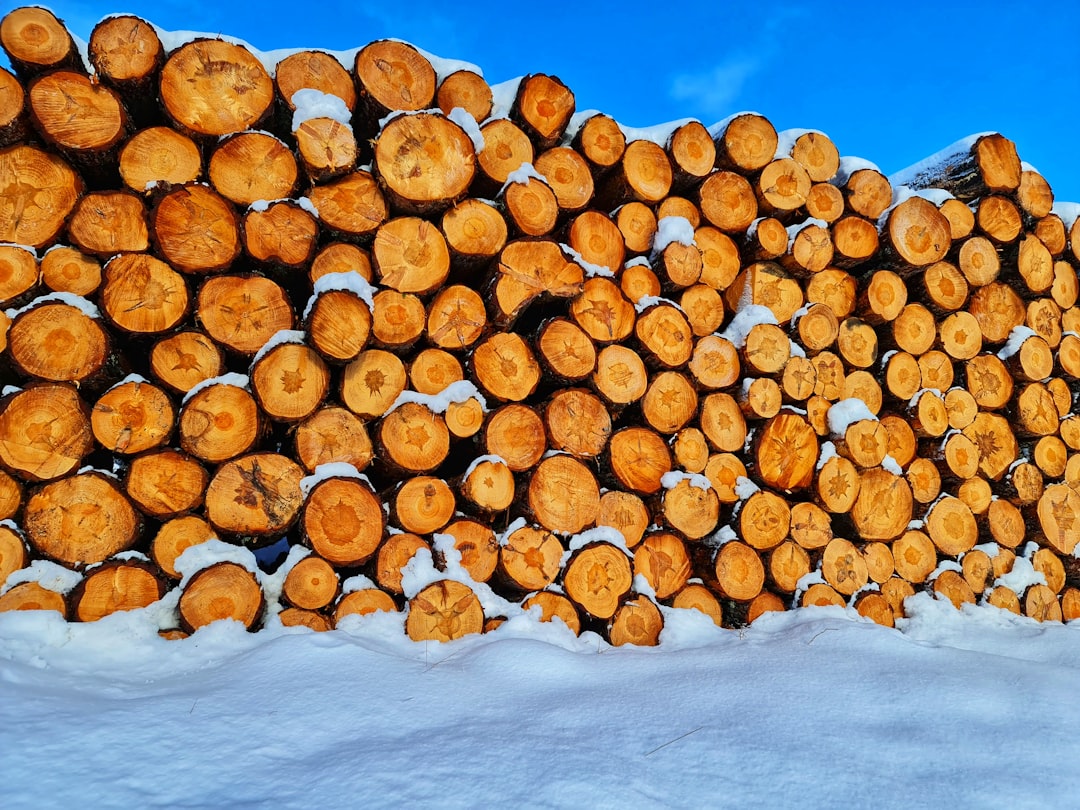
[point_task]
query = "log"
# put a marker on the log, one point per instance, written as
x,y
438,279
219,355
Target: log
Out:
x,y
14,118
362,603
196,230
597,578
126,53
563,494
311,584
424,162
143,295
166,483
350,207
35,40
66,269
637,621
224,590
843,566
371,383
289,381
568,176
32,596
393,554
727,201
283,234
602,312
530,559
132,417
505,367
745,143
56,189
13,552
968,169
159,156
601,142
740,574
413,438
242,313
210,87
465,89
79,520
638,458
114,587
444,611
219,422
553,606
185,359
175,537
625,512
45,432
256,495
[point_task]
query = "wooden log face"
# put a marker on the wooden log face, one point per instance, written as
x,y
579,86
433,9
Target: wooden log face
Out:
x,y
787,452
143,294
883,507
219,423
531,558
425,161
115,587
597,578
243,312
256,495
290,381
222,591
43,213
212,87
44,432
196,230
414,438
353,205
58,342
444,611
76,113
82,519
32,596
563,494
159,155
343,521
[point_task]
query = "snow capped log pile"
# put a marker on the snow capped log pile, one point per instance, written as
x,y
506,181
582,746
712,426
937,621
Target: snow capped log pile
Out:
x,y
311,334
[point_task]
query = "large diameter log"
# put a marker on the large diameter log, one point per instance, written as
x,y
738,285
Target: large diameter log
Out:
x,y
38,190
132,417
343,521
143,295
32,596
425,162
242,313
79,520
105,223
563,494
917,233
211,87
393,75
159,155
786,452
58,341
225,590
44,432
257,495
166,483
883,507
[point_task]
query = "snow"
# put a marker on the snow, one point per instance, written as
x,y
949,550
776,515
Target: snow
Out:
x,y
746,319
503,96
890,464
718,129
672,479
261,206
659,134
828,450
522,174
600,534
929,169
231,378
1069,212
954,704
591,270
785,140
277,339
1021,577
487,459
45,573
464,119
647,301
1016,339
849,165
793,231
455,393
350,281
333,469
87,308
310,103
672,229
846,412
744,487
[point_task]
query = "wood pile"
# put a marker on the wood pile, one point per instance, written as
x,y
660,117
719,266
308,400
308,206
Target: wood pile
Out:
x,y
380,310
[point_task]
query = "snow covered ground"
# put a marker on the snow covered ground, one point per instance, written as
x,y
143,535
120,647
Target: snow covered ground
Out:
x,y
815,708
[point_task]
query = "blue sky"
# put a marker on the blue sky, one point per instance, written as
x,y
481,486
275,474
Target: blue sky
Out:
x,y
889,82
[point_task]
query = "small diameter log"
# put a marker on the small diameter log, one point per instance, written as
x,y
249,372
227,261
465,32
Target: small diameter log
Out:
x,y
132,417
477,545
13,552
219,422
876,607
1058,509
727,202
488,485
225,590
468,90
397,319
475,232
505,367
565,350
115,587
515,433
393,554
425,163
637,621
341,257
662,559
764,520
333,434
413,438
1041,604
297,617
740,574
313,70
235,95
81,519
602,311
327,148
343,521
951,585
363,602
563,494
553,606
998,218
257,495
143,295
289,381
108,222
338,321
530,558
843,567
782,186
372,382
691,508
444,611
32,596
45,432
174,538
65,269
697,597
669,403
638,459
184,359
883,298
567,173
722,422
811,526
351,207
867,192
423,504
251,167
643,174
597,578
58,341
311,584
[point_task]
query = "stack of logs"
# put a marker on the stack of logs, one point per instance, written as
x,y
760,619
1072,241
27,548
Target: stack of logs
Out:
x,y
600,370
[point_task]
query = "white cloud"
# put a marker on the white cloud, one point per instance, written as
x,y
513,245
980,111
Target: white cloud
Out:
x,y
716,90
